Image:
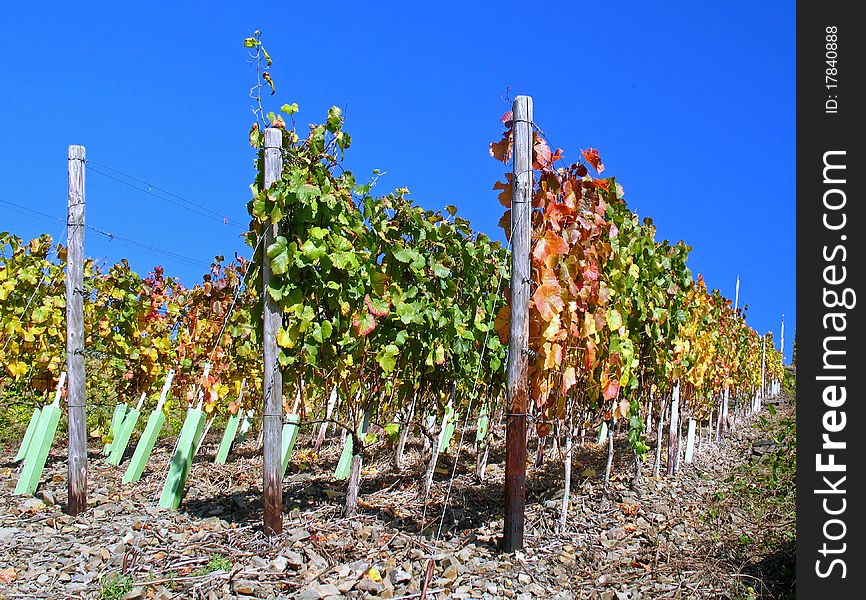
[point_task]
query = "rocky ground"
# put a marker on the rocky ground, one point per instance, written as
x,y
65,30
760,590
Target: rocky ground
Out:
x,y
702,534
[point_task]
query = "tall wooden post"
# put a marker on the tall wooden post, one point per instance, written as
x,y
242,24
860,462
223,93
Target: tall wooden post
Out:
x,y
518,366
782,339
272,421
737,294
76,396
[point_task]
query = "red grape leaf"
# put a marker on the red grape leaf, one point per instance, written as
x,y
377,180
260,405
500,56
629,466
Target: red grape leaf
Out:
x,y
505,224
501,150
541,156
556,213
592,157
548,248
502,323
610,389
548,299
379,307
507,190
364,323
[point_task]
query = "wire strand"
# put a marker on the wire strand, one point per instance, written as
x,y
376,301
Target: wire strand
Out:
x,y
475,383
111,236
179,200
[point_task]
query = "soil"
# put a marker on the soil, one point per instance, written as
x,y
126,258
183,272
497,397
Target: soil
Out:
x,y
690,536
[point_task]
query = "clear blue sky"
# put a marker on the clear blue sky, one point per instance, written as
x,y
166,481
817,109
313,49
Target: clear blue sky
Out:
x,y
691,106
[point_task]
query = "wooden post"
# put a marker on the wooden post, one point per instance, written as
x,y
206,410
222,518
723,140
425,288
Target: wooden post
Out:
x,y
649,417
690,441
272,420
737,294
518,364
763,354
566,492
782,340
674,430
719,423
76,398
659,425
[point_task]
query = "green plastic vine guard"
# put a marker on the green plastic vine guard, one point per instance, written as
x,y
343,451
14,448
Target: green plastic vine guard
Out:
x,y
38,448
341,473
244,428
144,447
345,463
148,438
290,435
116,420
231,430
227,439
33,425
448,425
483,424
452,427
121,440
175,481
28,435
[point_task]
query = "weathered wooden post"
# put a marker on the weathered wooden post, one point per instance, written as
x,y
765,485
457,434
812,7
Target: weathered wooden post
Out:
x,y
737,294
76,398
518,366
674,430
763,355
272,418
690,441
782,340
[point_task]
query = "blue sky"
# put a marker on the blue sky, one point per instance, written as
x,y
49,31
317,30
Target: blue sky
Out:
x,y
691,106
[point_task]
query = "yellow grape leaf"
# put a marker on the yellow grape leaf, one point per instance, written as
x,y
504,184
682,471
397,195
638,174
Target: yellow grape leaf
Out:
x,y
552,355
569,378
17,368
588,328
552,329
614,319
284,339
